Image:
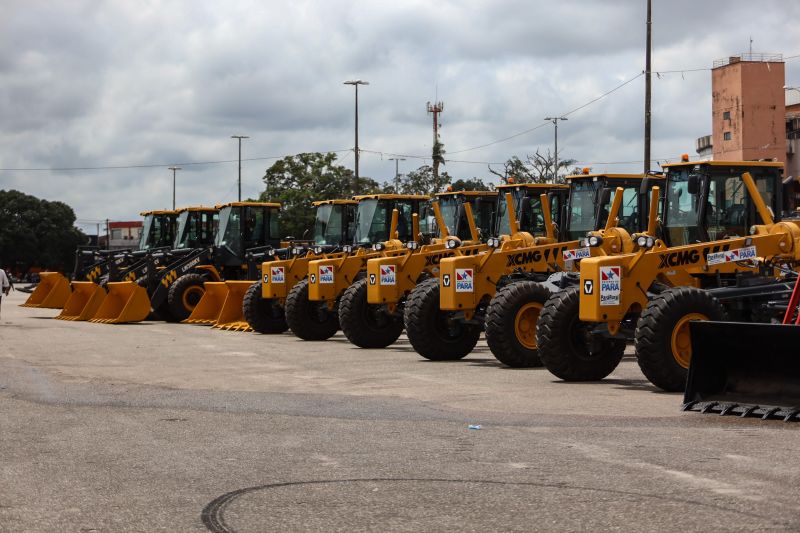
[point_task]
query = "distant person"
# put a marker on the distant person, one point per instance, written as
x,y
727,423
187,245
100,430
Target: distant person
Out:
x,y
5,284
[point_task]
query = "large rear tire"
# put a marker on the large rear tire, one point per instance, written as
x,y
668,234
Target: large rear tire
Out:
x,y
565,345
184,294
363,324
311,321
663,344
265,315
433,333
511,321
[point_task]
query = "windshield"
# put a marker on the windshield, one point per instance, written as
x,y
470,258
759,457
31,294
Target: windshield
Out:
x,y
582,209
503,223
371,225
328,224
146,240
182,235
448,205
681,216
229,234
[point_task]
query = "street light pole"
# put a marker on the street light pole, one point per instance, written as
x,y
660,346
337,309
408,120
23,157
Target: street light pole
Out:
x,y
173,169
356,83
555,120
240,137
397,172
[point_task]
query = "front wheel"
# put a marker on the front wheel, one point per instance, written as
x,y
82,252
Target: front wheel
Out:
x,y
364,324
264,315
184,294
311,321
433,333
566,345
663,342
511,322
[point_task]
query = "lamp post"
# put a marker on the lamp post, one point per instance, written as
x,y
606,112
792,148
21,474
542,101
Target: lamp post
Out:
x,y
356,83
397,172
240,137
555,120
173,169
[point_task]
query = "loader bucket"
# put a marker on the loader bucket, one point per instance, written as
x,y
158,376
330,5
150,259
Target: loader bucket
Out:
x,y
744,369
126,301
84,301
207,309
231,316
52,291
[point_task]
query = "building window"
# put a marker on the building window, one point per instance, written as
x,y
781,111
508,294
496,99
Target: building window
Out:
x,y
726,136
116,234
726,115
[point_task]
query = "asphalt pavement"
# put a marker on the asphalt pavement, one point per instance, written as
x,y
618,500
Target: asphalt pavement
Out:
x,y
171,427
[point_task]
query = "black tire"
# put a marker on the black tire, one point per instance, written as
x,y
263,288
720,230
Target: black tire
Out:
x,y
431,331
311,321
511,321
363,324
663,346
184,293
265,315
564,343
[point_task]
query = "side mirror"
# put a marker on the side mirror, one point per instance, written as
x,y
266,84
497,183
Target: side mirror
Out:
x,y
525,214
693,185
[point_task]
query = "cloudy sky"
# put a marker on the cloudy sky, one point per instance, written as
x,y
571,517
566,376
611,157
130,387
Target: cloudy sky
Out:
x,y
149,83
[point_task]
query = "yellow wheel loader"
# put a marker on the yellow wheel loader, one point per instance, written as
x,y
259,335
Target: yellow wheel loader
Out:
x,y
371,309
444,320
88,288
384,222
263,302
723,255
92,264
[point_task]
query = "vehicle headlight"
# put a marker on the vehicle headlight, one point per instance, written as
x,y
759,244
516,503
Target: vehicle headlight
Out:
x,y
493,242
452,244
378,246
594,241
412,245
347,248
318,250
645,241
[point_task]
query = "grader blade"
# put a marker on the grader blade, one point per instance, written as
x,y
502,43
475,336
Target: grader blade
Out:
x,y
744,369
52,291
126,301
84,301
208,308
231,316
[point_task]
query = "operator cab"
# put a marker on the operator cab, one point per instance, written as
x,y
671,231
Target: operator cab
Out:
x,y
244,226
196,227
374,216
334,223
591,196
528,206
158,229
708,200
451,204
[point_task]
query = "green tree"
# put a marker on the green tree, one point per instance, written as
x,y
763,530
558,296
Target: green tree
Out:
x,y
470,184
537,168
422,181
297,181
36,233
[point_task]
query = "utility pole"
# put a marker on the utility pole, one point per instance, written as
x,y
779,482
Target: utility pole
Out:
x,y
108,236
555,120
397,172
356,83
647,91
173,169
435,109
240,137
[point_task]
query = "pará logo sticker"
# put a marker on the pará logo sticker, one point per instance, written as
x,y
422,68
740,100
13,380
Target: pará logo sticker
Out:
x,y
464,280
388,275
577,253
278,274
610,281
731,256
325,274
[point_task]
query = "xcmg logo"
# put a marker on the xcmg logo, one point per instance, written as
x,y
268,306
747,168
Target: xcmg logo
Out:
x,y
434,259
534,256
685,257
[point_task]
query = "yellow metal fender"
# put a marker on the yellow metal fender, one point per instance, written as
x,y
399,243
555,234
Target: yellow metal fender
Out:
x,y
126,301
86,299
51,293
231,316
208,308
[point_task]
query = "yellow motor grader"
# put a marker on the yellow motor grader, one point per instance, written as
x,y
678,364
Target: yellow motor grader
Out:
x,y
384,222
722,255
444,319
371,309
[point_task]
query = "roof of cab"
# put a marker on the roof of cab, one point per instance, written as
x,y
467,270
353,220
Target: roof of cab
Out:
x,y
197,208
336,201
773,164
391,197
249,204
468,193
614,176
159,212
533,185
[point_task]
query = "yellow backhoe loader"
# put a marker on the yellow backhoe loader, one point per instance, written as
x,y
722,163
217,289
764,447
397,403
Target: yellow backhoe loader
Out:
x,y
723,255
